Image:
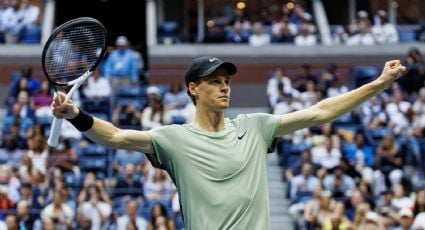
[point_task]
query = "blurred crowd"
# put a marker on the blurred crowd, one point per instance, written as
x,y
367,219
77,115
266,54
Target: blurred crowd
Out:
x,y
296,25
19,22
365,170
79,184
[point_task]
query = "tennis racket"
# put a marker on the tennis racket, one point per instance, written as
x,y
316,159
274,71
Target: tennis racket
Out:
x,y
69,57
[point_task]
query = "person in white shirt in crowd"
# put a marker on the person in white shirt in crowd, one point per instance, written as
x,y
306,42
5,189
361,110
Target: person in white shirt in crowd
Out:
x,y
159,187
9,22
401,199
336,88
364,35
287,105
311,96
373,113
259,37
419,107
283,30
131,216
95,209
327,155
175,101
305,37
28,14
97,86
60,213
405,219
278,77
396,111
384,31
155,114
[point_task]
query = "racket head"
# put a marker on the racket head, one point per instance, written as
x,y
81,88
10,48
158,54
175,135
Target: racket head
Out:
x,y
74,48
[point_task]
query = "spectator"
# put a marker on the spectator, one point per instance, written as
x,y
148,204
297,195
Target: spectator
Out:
x,y
89,182
9,19
126,115
364,35
10,154
296,168
38,153
336,88
340,184
26,220
401,199
97,87
419,205
6,204
12,183
413,78
259,38
384,31
42,100
129,185
64,158
155,114
419,108
306,75
121,65
419,222
361,210
373,113
327,155
131,216
360,155
317,213
311,95
277,84
15,120
338,219
283,30
95,209
61,214
159,187
372,221
303,185
406,219
32,196
160,219
396,111
305,37
32,84
352,203
12,222
28,16
387,164
176,98
238,34
215,33
287,105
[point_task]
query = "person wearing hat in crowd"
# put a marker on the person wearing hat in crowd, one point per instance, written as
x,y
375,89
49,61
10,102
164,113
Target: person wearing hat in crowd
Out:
x,y
121,66
372,221
219,165
405,219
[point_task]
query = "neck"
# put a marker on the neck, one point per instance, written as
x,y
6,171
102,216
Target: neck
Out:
x,y
211,121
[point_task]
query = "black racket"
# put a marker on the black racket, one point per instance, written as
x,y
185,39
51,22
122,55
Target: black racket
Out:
x,y
70,55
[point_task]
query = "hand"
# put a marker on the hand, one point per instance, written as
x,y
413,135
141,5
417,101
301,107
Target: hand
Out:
x,y
392,70
66,110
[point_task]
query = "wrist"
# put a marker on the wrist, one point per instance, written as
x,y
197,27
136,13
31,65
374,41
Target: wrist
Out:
x,y
82,121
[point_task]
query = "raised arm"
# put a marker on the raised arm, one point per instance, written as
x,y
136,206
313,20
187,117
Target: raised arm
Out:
x,y
103,132
331,108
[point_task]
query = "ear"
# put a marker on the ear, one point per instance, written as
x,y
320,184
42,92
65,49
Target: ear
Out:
x,y
193,89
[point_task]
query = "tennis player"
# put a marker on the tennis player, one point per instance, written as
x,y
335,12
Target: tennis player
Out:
x,y
219,165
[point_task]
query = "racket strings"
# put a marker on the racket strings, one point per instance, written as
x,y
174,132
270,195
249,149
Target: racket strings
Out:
x,y
73,51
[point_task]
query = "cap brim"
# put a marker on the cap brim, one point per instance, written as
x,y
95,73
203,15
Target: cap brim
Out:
x,y
228,66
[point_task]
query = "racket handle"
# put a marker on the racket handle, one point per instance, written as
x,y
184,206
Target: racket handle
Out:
x,y
55,132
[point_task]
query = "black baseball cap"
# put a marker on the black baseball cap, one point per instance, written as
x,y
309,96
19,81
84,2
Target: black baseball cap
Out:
x,y
203,66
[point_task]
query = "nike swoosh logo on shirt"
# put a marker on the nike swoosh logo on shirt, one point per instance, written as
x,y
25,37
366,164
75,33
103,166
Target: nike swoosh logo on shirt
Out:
x,y
241,136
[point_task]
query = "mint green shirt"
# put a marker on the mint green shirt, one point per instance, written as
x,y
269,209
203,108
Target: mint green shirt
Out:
x,y
221,177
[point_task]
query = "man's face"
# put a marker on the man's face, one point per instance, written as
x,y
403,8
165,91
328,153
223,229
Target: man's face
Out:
x,y
213,92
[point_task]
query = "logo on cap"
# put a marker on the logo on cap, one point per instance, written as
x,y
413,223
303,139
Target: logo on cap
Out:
x,y
212,59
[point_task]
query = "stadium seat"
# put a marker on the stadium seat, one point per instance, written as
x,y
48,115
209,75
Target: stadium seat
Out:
x,y
132,92
93,150
31,35
91,163
364,74
168,32
407,35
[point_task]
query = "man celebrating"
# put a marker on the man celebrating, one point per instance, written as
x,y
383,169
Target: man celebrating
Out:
x,y
219,165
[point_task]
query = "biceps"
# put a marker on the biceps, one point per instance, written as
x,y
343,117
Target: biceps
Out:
x,y
135,140
297,120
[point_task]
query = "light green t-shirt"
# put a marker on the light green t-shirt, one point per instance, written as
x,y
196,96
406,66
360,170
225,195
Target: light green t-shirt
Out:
x,y
221,177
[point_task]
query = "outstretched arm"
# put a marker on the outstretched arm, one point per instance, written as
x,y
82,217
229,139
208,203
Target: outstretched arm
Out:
x,y
331,108
104,133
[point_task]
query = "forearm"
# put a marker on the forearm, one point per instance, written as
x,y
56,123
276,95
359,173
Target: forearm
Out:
x,y
334,107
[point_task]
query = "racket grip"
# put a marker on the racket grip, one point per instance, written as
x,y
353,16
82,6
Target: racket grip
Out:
x,y
55,132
